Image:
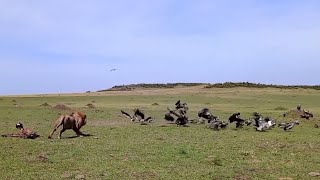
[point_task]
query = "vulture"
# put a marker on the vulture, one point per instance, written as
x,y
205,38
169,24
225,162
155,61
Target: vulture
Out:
x,y
181,106
205,114
257,117
19,125
287,126
236,118
265,124
306,114
169,117
182,119
138,115
217,125
290,125
282,125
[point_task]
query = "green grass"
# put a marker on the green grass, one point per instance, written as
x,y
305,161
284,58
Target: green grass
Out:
x,y
120,149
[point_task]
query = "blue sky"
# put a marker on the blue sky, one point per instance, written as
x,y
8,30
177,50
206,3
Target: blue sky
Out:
x,y
70,46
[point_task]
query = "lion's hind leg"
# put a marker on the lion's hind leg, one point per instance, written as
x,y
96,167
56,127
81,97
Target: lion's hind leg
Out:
x,y
62,130
59,122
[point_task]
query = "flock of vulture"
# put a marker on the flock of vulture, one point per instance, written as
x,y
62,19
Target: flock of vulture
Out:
x,y
179,117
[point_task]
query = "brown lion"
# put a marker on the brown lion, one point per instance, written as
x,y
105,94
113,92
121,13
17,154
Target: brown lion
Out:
x,y
73,121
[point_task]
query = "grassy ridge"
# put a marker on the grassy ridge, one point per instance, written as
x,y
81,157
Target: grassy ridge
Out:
x,y
156,85
258,85
208,85
120,149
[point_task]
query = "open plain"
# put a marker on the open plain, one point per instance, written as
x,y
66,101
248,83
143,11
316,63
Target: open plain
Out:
x,y
121,149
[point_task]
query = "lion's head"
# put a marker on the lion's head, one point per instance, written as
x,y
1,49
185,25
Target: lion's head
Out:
x,y
80,119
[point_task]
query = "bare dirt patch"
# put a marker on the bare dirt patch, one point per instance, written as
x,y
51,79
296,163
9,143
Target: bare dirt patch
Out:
x,y
91,106
45,105
61,107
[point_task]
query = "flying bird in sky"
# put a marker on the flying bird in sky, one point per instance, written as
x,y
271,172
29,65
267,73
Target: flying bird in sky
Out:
x,y
113,69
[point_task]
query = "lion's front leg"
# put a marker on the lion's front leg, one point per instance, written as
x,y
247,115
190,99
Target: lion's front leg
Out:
x,y
79,133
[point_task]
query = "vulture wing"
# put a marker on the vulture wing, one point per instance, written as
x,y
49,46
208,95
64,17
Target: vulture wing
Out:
x,y
126,114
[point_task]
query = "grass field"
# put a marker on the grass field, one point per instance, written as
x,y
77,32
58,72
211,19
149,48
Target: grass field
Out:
x,y
120,149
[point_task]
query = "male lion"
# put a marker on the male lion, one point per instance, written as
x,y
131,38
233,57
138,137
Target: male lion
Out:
x,y
73,121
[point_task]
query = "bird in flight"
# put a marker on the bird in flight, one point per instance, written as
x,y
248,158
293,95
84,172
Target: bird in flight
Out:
x,y
113,69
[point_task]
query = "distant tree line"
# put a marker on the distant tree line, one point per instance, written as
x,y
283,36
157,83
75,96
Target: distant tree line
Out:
x,y
207,85
157,85
258,85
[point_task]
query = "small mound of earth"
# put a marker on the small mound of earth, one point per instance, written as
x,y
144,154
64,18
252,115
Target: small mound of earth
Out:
x,y
90,105
45,105
61,107
294,114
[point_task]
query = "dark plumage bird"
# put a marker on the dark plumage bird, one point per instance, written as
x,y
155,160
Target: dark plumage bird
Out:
x,y
180,105
236,118
127,115
316,125
19,125
138,115
265,124
257,118
148,119
205,114
182,119
168,117
290,125
217,125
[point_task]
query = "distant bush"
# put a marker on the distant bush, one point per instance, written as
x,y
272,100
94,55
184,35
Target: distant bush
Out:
x,y
258,85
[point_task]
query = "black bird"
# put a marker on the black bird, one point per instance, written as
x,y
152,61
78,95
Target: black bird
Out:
x,y
168,117
19,125
205,114
128,115
257,118
217,125
236,118
181,106
178,103
182,119
138,115
113,69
